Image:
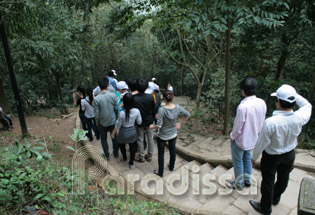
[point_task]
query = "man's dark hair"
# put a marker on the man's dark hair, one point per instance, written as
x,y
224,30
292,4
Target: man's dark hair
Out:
x,y
132,84
103,82
142,85
111,73
249,85
285,104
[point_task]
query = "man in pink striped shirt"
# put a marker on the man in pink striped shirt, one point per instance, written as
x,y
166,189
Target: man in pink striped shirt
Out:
x,y
249,120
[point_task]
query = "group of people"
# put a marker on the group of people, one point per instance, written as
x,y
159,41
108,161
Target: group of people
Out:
x,y
130,111
275,138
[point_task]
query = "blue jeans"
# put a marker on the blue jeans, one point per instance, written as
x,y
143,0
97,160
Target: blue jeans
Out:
x,y
242,165
6,121
103,131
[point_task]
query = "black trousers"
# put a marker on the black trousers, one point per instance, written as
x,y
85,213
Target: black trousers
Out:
x,y
132,148
270,165
161,146
91,125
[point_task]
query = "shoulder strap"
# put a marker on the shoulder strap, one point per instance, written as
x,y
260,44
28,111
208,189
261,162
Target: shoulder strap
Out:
x,y
89,103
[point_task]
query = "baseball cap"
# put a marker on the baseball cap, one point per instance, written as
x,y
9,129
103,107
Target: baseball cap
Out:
x,y
122,85
286,93
112,72
151,88
154,80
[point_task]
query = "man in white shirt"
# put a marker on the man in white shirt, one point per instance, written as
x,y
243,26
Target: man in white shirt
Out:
x,y
276,142
249,120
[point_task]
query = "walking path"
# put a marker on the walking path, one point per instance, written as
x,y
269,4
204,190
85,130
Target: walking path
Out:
x,y
216,150
197,183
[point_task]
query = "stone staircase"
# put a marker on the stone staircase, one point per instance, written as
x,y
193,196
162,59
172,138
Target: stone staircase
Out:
x,y
196,188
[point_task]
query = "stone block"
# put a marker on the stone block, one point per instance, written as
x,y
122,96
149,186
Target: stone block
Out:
x,y
306,204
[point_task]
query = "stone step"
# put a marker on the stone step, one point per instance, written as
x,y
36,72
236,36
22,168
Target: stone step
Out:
x,y
205,168
226,144
211,143
187,139
219,170
190,166
203,144
233,210
205,182
217,142
297,175
180,186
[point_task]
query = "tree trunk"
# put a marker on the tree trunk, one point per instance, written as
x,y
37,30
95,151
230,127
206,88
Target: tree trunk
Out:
x,y
64,110
227,75
18,101
311,94
72,78
262,71
3,99
198,96
200,87
182,82
283,57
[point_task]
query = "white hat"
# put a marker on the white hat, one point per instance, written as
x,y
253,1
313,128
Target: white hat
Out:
x,y
122,85
153,79
114,72
151,88
285,92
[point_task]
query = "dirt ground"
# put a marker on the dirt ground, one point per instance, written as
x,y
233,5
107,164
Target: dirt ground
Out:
x,y
54,131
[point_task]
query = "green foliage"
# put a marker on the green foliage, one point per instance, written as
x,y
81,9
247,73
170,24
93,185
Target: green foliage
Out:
x,y
29,151
78,135
26,178
128,205
57,45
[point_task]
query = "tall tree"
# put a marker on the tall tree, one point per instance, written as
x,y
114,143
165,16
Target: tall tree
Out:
x,y
3,98
206,19
17,97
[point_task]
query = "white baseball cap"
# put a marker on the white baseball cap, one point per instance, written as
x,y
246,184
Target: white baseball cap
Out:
x,y
122,85
114,72
286,93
